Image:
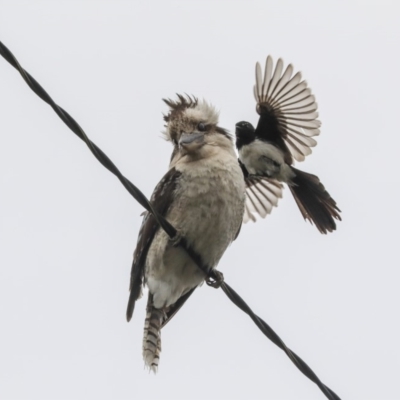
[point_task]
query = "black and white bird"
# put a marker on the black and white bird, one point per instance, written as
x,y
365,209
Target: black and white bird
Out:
x,y
202,195
284,133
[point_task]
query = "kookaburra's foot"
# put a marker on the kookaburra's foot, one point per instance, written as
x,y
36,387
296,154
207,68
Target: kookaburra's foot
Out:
x,y
176,240
217,282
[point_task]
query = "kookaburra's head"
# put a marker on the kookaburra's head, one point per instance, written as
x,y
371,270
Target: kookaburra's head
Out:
x,y
245,134
192,127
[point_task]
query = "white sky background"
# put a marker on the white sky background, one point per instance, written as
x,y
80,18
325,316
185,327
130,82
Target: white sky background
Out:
x,y
68,228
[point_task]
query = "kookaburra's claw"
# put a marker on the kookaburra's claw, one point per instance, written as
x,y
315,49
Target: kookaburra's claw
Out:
x,y
176,240
217,282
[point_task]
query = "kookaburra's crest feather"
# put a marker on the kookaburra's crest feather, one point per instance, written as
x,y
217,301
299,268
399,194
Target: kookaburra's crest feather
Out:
x,y
189,108
178,106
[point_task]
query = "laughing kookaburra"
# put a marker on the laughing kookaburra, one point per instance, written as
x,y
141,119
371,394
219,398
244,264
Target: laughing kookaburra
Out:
x,y
284,133
202,195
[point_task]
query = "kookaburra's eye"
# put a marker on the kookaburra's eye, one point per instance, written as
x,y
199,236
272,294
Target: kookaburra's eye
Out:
x,y
201,127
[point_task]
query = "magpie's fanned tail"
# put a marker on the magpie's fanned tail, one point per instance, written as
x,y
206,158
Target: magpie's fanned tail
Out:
x,y
314,202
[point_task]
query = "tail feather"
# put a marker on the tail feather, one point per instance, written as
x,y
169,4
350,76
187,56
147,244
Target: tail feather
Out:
x,y
152,335
136,291
314,202
156,319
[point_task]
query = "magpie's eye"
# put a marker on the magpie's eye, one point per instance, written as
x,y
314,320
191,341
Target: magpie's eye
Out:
x,y
201,127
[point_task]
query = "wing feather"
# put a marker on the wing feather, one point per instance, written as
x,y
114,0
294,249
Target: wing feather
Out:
x,y
301,123
308,104
289,86
291,99
248,215
161,200
259,84
300,90
275,78
288,111
306,139
262,194
282,82
295,151
269,66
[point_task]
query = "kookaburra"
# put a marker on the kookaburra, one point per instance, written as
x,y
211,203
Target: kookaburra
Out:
x,y
284,133
202,195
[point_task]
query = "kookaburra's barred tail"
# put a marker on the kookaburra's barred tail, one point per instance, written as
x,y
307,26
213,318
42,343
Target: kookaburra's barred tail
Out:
x,y
314,201
152,335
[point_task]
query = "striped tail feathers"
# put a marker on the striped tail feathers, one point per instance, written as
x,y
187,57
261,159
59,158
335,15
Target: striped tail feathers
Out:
x,y
314,202
152,335
156,319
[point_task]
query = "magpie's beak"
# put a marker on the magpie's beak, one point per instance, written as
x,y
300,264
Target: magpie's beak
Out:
x,y
191,141
239,128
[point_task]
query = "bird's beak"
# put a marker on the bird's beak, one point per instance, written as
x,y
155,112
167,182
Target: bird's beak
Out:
x,y
191,141
238,127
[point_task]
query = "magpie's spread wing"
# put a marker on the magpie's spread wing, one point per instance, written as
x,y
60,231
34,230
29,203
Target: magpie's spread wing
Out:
x,y
287,109
262,194
161,200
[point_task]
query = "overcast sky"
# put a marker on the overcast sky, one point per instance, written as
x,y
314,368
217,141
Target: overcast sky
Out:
x,y
68,228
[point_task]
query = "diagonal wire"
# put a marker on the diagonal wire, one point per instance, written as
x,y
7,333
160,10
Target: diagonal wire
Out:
x,y
168,228
271,335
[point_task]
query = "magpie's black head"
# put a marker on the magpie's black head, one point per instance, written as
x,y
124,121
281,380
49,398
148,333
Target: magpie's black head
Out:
x,y
245,134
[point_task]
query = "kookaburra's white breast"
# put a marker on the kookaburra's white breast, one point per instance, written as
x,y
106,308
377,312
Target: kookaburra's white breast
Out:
x,y
213,191
208,211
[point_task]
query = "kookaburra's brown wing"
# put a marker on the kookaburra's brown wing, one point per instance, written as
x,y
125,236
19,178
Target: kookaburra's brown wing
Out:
x,y
161,200
287,109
